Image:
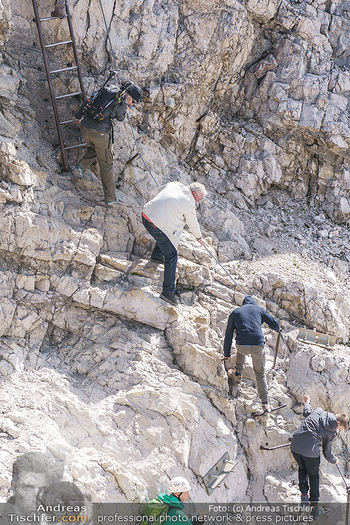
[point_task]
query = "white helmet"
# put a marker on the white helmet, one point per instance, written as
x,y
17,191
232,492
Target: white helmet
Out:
x,y
178,485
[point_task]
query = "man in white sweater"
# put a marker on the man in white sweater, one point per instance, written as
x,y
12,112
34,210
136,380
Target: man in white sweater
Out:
x,y
164,217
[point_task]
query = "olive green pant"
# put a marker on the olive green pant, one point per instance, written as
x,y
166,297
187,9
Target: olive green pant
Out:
x,y
258,357
100,150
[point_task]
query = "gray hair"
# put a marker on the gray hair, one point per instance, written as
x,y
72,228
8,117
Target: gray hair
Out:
x,y
198,189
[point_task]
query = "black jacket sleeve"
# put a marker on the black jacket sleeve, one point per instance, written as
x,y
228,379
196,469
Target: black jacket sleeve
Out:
x,y
327,447
229,336
119,111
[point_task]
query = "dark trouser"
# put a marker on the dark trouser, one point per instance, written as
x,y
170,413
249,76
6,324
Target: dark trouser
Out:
x,y
164,247
100,149
258,357
309,471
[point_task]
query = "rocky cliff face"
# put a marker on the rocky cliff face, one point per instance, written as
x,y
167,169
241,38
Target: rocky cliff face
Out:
x,y
250,98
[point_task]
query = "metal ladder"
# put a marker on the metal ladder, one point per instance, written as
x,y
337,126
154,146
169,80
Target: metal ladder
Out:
x,y
44,47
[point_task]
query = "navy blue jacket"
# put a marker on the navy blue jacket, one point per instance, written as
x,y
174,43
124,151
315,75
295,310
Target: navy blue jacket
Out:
x,y
246,321
319,428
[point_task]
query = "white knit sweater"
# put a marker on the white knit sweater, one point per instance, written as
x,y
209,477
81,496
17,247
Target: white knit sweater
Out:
x,y
171,209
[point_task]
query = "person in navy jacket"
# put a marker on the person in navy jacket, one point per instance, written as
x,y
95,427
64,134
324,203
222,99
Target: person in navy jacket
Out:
x,y
246,321
318,429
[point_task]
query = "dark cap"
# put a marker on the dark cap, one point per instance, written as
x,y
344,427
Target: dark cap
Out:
x,y
134,91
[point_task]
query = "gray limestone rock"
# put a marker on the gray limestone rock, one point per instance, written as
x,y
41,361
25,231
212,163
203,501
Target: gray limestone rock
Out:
x,y
251,99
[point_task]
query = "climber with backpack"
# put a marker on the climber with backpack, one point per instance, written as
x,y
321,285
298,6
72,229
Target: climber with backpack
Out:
x,y
168,508
98,112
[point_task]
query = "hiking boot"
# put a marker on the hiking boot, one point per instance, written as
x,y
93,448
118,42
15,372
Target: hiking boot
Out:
x,y
266,407
157,259
169,297
237,378
58,13
110,203
77,170
317,511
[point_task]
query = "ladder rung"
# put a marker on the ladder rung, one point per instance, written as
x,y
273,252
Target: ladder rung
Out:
x,y
69,95
68,121
52,18
64,69
76,146
60,43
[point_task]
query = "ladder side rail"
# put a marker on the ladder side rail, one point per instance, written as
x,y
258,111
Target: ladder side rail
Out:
x,y
75,51
51,90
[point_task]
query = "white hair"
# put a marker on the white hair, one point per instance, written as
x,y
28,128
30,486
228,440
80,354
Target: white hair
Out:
x,y
198,189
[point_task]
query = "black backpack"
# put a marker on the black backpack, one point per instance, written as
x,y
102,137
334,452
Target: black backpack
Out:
x,y
101,105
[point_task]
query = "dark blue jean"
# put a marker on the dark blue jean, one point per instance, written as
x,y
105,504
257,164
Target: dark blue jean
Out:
x,y
309,471
163,247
